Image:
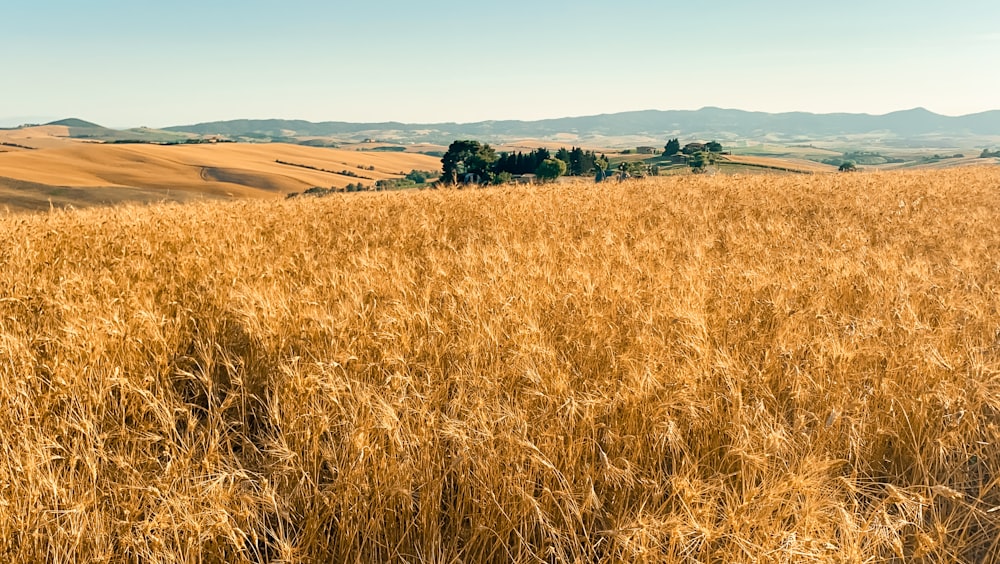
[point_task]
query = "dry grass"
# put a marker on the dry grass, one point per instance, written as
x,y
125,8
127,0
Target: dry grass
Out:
x,y
43,136
693,369
83,174
800,165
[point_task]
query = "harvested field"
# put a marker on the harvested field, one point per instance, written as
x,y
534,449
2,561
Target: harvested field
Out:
x,y
80,174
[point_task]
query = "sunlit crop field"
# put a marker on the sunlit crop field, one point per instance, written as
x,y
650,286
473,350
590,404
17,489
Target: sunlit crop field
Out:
x,y
689,369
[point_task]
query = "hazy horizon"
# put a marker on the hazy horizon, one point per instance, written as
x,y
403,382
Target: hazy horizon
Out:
x,y
16,121
123,64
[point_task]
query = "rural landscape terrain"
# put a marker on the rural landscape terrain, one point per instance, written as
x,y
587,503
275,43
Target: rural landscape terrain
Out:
x,y
73,162
447,282
692,368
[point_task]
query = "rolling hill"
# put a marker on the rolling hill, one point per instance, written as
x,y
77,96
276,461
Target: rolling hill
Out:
x,y
74,162
82,174
916,127
784,164
75,128
36,137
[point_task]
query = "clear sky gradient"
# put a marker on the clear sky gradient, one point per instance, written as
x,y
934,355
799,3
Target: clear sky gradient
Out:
x,y
127,63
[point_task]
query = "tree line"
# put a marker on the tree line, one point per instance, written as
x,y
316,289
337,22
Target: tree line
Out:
x,y
469,161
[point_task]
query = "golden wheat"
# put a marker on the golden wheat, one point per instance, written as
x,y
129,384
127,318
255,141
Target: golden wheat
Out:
x,y
725,369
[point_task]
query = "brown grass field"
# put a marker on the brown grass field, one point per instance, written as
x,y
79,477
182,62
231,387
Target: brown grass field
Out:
x,y
689,369
791,164
39,137
83,174
971,161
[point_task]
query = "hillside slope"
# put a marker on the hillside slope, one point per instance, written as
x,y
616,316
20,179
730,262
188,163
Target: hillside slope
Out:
x,y
38,137
790,164
917,126
82,174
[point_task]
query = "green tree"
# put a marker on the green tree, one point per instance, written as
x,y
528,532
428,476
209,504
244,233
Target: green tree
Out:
x,y
419,176
467,157
847,166
550,169
713,147
577,160
672,147
700,161
601,162
503,177
636,169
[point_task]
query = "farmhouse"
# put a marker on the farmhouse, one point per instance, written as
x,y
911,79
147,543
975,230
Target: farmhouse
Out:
x,y
692,148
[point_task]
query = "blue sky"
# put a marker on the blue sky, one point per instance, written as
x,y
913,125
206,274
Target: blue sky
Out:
x,y
135,62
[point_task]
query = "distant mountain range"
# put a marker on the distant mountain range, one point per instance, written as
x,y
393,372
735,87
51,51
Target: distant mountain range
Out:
x,y
909,128
917,126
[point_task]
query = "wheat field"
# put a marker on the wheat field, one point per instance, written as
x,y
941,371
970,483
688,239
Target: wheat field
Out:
x,y
690,369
